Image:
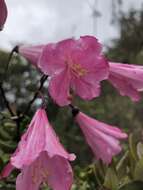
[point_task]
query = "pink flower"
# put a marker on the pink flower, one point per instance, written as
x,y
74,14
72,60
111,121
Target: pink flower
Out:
x,y
127,79
31,53
41,158
101,137
3,13
71,64
55,171
74,64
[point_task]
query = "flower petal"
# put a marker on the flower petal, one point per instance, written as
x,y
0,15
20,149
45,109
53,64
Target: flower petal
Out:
x,y
54,57
59,87
103,127
101,137
127,79
3,13
6,171
90,44
85,89
31,53
88,85
60,173
55,171
26,179
39,137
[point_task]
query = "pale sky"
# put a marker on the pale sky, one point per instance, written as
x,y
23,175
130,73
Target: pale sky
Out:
x,y
44,21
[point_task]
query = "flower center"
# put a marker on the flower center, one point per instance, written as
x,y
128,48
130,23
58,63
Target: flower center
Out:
x,y
39,171
78,70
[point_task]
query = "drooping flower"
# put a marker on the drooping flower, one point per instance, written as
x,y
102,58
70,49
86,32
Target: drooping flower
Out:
x,y
41,158
76,65
101,137
31,53
3,13
127,79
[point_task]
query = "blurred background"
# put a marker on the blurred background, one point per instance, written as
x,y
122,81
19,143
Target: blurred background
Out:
x,y
51,20
118,24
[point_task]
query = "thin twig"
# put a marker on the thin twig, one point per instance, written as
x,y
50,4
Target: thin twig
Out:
x,y
7,104
75,110
5,100
15,49
42,81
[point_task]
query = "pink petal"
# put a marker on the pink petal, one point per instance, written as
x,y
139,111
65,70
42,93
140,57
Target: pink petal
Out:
x,y
39,137
98,69
31,53
124,87
54,57
88,86
55,171
127,79
60,173
101,137
59,87
88,56
54,147
85,89
6,171
26,179
134,73
3,13
91,44
100,153
103,127
8,168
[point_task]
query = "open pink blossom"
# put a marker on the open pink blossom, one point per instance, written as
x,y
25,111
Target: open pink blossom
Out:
x,y
127,79
3,13
101,137
71,64
41,158
74,64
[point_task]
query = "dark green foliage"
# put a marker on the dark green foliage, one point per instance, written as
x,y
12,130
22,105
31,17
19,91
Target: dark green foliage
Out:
x,y
136,185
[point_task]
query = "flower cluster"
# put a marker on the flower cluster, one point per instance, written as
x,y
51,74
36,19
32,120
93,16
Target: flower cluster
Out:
x,y
74,67
41,158
81,67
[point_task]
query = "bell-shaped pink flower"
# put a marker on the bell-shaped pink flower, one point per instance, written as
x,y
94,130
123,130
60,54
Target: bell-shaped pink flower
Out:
x,y
41,158
56,172
76,65
101,137
127,79
3,13
31,53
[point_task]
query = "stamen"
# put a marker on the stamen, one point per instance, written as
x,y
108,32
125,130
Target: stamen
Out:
x,y
76,68
38,171
44,172
34,176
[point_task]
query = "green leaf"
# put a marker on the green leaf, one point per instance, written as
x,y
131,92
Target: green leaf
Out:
x,y
111,180
140,150
138,173
136,185
7,147
132,147
121,166
4,135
